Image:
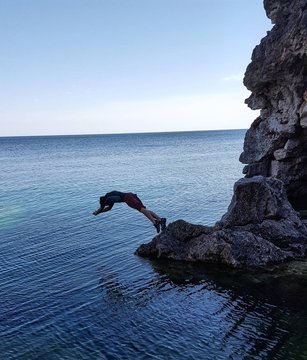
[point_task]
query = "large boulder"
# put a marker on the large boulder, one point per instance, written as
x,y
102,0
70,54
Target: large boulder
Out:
x,y
259,228
257,199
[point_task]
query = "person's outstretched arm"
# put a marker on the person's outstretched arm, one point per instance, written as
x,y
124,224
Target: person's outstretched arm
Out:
x,y
107,208
100,210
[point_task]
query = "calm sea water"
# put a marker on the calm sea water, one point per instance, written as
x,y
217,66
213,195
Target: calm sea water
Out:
x,y
71,286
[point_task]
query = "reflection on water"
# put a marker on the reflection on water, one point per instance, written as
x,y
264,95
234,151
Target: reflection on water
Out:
x,y
277,284
244,314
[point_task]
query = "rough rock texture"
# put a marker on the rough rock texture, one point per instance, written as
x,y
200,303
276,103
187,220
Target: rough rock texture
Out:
x,y
261,225
276,143
260,228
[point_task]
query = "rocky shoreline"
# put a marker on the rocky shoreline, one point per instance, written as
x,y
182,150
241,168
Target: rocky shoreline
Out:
x,y
254,232
262,225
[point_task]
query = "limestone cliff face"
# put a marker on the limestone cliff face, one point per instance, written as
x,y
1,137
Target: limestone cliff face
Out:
x,y
276,143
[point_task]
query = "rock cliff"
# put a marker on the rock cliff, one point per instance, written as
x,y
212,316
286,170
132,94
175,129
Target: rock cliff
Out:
x,y
262,225
276,143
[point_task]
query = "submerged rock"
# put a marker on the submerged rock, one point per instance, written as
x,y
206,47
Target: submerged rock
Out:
x,y
260,228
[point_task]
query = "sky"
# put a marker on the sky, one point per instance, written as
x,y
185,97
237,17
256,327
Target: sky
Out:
x,y
120,66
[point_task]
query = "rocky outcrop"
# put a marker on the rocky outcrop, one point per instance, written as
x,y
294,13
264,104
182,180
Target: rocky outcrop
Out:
x,y
261,225
276,143
259,228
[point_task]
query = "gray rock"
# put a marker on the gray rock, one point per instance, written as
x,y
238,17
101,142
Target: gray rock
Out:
x,y
277,78
257,199
261,225
259,228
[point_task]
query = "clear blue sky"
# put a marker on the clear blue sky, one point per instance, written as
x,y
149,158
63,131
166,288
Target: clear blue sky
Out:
x,y
105,66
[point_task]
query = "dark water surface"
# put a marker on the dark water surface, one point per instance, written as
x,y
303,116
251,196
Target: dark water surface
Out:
x,y
71,286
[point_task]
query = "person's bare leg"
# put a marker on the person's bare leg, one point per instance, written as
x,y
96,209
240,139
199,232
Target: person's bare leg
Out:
x,y
154,215
150,215
159,223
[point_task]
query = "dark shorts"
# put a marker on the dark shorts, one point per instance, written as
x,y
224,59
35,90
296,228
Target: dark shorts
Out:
x,y
133,201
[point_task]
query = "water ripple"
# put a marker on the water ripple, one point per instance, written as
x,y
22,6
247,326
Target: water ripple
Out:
x,y
71,287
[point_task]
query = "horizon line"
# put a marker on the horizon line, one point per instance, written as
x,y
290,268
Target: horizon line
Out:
x,y
119,133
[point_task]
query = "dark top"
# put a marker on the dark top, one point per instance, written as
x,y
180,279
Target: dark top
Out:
x,y
111,197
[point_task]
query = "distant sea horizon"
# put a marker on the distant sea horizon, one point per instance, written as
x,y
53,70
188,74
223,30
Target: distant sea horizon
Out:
x,y
122,133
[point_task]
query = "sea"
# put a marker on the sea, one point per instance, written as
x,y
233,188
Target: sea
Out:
x,y
71,286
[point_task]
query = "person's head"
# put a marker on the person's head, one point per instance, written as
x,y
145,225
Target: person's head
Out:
x,y
101,200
